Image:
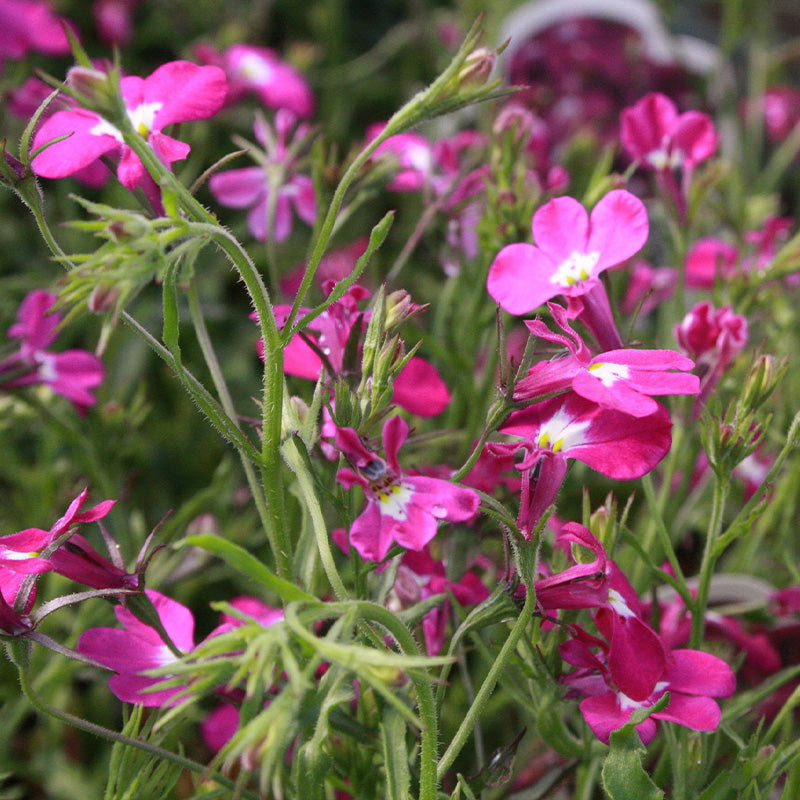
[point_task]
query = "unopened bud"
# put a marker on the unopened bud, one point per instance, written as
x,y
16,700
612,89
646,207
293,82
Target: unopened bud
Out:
x,y
102,299
476,69
399,307
763,376
91,84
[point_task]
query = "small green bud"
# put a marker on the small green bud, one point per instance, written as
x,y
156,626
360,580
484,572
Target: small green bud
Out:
x,y
762,378
91,86
476,69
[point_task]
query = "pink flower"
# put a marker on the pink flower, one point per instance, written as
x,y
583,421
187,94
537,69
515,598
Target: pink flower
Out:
x,y
72,374
138,647
620,379
114,19
571,251
709,259
27,26
250,187
654,133
260,70
176,92
401,508
648,286
20,552
568,426
692,678
780,106
713,338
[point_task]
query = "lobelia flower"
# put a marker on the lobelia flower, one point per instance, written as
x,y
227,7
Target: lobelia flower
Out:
x,y
250,187
713,338
654,133
568,426
709,259
137,648
72,374
21,552
648,287
620,379
260,70
30,25
114,20
572,249
400,508
692,677
178,91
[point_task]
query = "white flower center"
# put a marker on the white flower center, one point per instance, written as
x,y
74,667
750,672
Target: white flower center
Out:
x,y
609,374
561,433
141,117
576,268
617,602
394,500
255,69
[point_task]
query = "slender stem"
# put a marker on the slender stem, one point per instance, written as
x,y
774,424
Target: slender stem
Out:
x,y
114,736
710,555
487,687
207,348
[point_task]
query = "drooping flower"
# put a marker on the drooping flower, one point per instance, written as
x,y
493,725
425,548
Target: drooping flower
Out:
x,y
400,508
252,187
572,249
621,379
137,648
261,70
72,374
178,91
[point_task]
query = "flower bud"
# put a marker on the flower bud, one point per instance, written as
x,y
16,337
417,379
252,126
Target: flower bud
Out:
x,y
762,377
92,85
102,299
476,69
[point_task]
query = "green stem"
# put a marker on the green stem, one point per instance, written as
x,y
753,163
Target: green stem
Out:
x,y
207,348
710,555
114,736
487,687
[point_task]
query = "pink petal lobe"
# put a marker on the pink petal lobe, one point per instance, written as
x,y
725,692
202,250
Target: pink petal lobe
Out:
x,y
697,713
187,91
619,228
700,673
561,228
519,278
238,188
419,388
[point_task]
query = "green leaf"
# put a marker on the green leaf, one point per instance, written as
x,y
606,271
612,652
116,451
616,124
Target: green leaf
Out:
x,y
624,777
395,755
247,564
171,315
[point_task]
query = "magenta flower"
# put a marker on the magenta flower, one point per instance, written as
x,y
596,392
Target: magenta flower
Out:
x,y
692,678
571,250
620,379
568,426
176,92
401,508
72,374
20,552
654,133
250,187
713,338
138,647
27,26
114,20
260,70
648,287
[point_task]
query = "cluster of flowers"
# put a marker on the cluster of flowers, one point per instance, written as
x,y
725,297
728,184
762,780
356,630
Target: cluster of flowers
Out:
x,y
593,401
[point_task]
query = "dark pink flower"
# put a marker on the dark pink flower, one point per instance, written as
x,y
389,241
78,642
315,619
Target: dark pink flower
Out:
x,y
72,374
114,20
176,92
260,70
571,251
30,26
251,187
654,133
622,379
648,286
401,508
20,552
137,647
781,109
